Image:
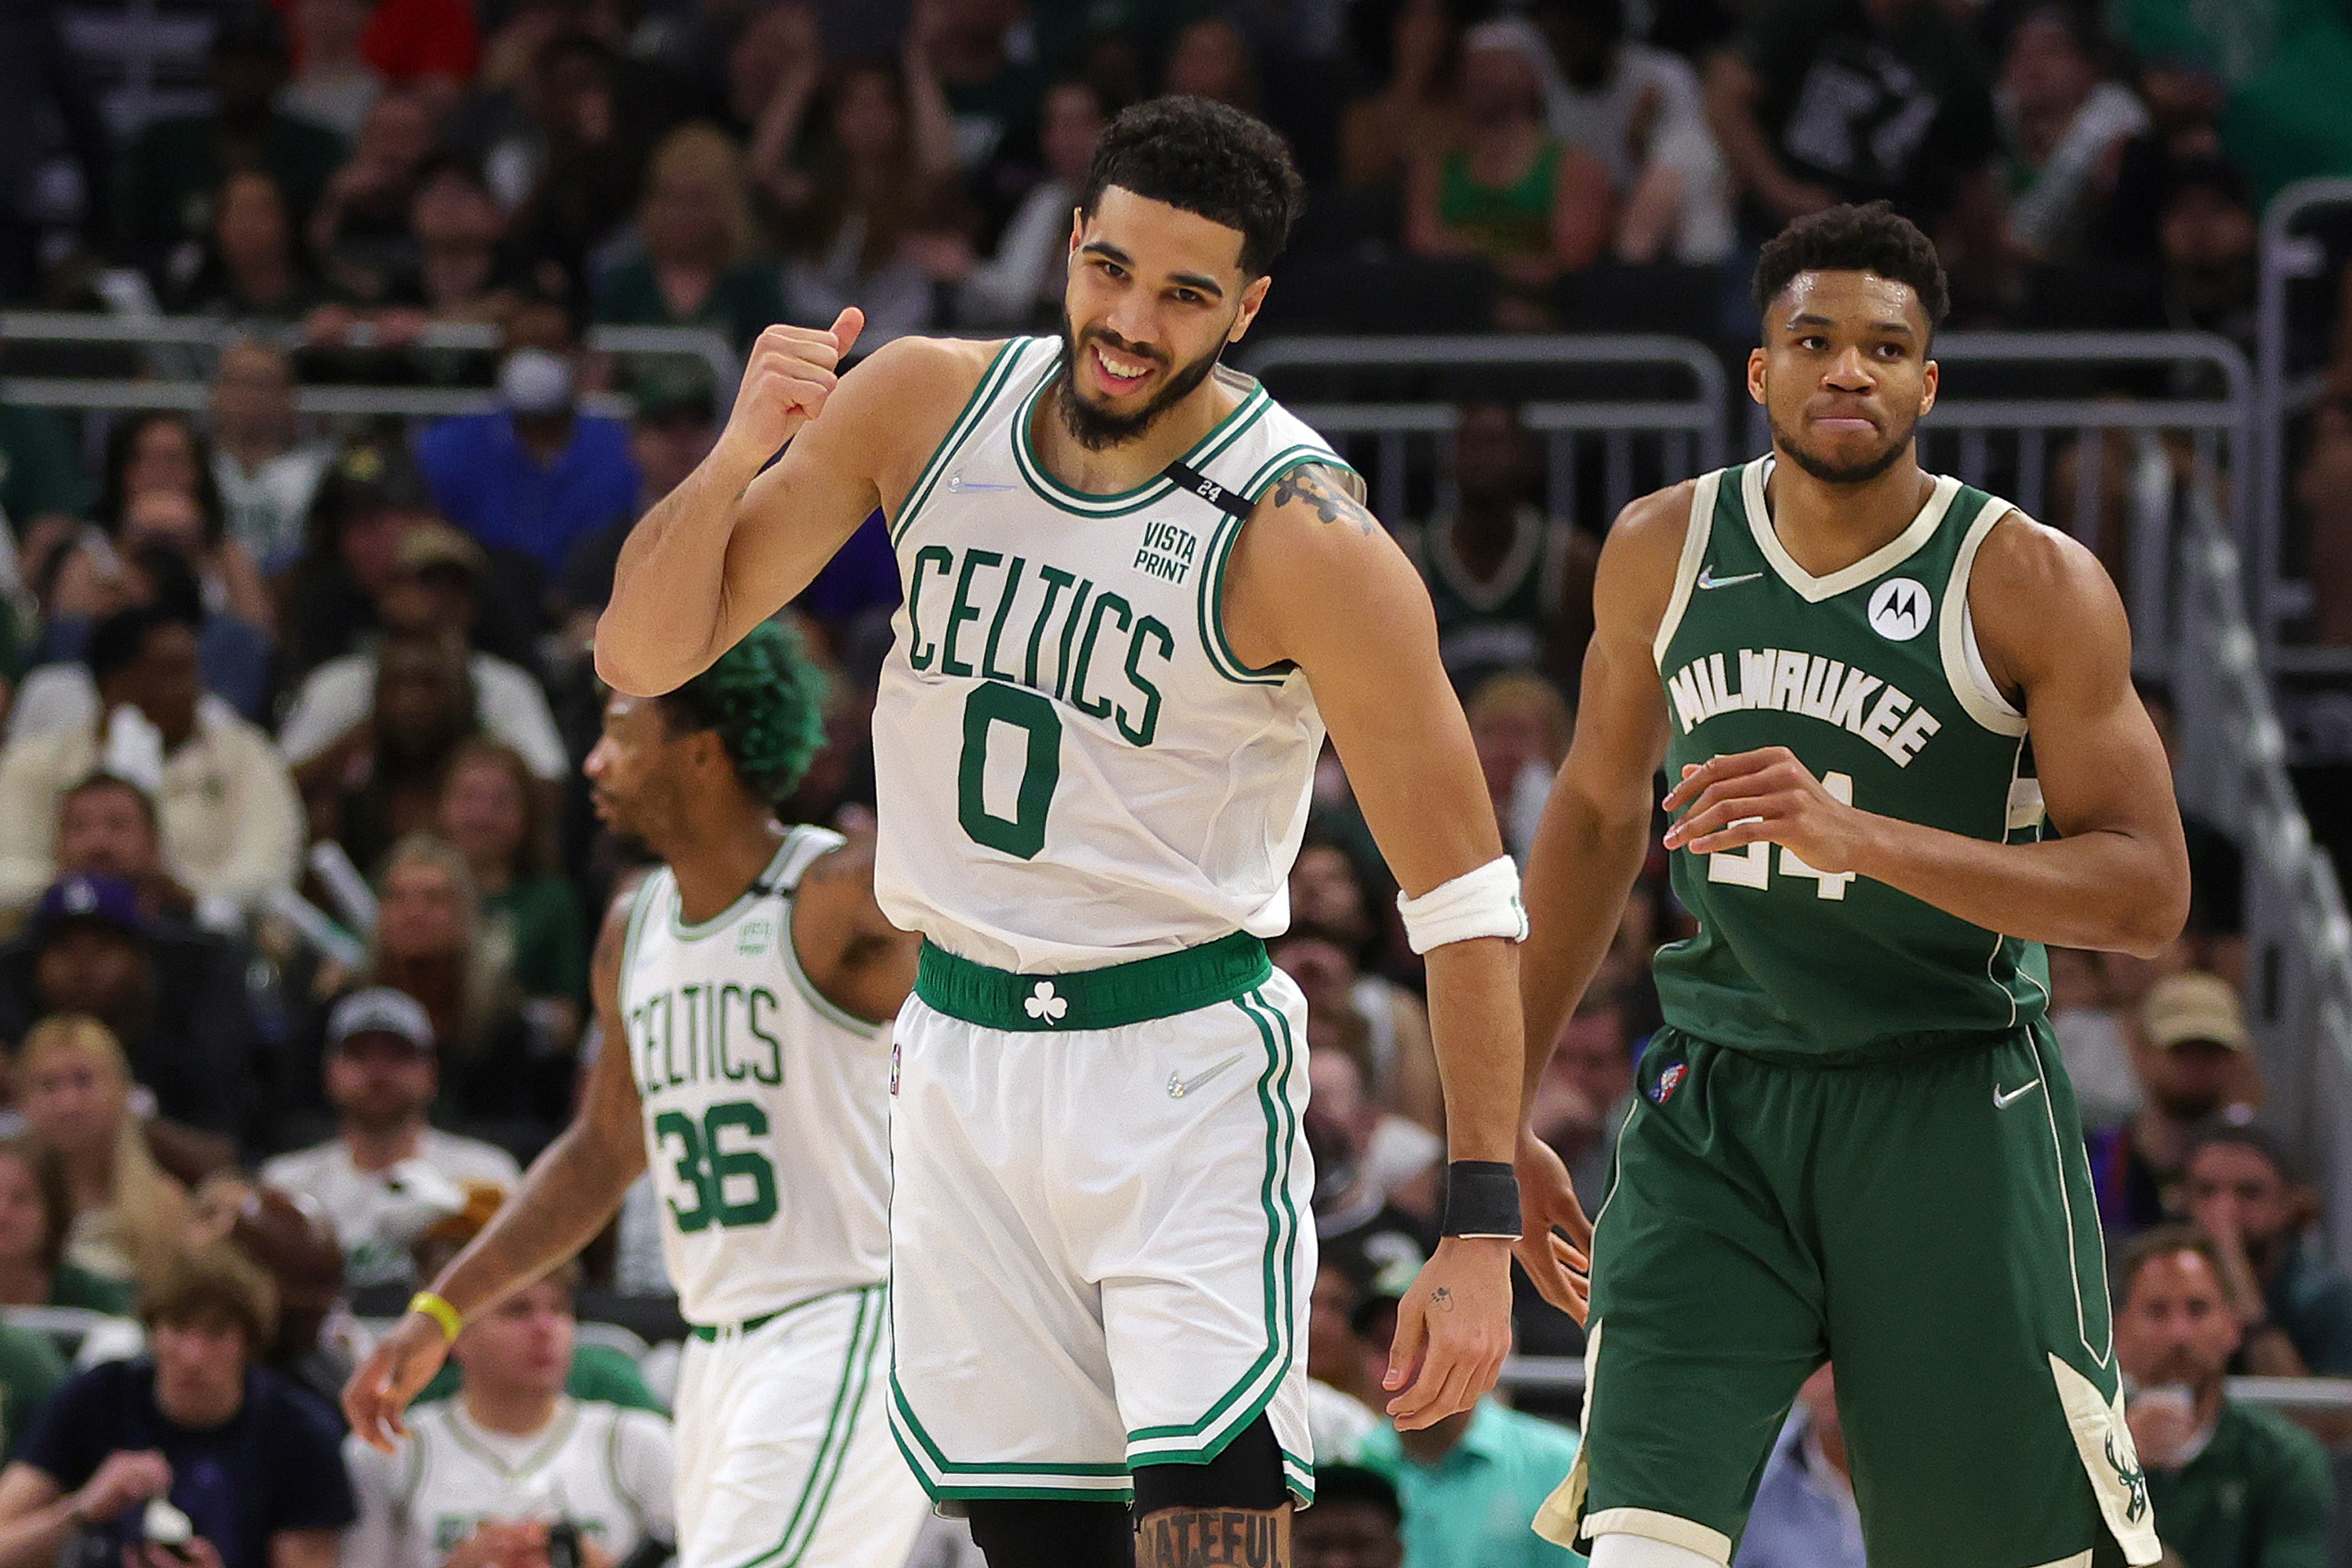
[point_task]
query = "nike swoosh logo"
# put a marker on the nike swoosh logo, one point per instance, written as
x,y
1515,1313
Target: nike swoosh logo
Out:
x,y
957,482
1179,1088
1707,579
2003,1101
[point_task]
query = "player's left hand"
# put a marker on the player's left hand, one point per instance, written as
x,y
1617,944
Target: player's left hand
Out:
x,y
1555,1245
1454,1329
1750,796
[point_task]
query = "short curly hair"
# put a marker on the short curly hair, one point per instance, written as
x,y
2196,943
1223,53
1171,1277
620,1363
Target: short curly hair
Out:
x,y
1873,238
1205,158
765,697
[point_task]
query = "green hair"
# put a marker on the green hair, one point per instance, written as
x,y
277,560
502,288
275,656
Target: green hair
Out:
x,y
765,697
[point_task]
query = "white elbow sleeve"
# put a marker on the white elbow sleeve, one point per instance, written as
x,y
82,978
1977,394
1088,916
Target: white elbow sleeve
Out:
x,y
1484,903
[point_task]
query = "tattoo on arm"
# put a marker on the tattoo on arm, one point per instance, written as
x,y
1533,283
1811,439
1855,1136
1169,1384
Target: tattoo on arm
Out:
x,y
1210,1538
1313,485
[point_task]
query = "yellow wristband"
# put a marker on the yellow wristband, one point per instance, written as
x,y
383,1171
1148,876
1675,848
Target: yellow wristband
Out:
x,y
439,1310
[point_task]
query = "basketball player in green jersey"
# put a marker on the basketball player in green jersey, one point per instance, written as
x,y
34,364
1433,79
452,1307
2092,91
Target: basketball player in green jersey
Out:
x,y
1853,1140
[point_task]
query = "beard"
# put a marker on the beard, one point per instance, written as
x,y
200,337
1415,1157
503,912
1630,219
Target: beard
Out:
x,y
1829,471
1096,428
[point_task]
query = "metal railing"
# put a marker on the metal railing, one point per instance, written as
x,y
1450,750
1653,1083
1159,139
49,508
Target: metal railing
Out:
x,y
1617,414
175,355
2289,384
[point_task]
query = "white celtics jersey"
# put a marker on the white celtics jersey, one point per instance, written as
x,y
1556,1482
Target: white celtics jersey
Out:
x,y
1073,768
767,1108
605,1469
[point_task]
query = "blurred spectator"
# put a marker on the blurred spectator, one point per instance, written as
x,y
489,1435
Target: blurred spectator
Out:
x,y
489,1472
2235,1484
1399,1154
599,1371
2278,72
986,64
173,998
494,813
1328,892
1639,110
2093,1040
1804,1514
859,219
1418,109
572,176
333,84
370,501
1510,192
1021,287
538,474
2293,1306
462,274
232,654
30,1371
359,236
433,594
176,168
381,780
676,423
128,1215
1471,1485
2064,128
1355,1521
1849,101
1587,1087
386,1176
148,454
1342,1396
36,1216
1209,58
701,266
1376,1242
498,1080
249,1459
267,475
1521,726
232,827
1512,587
107,826
254,270
2209,235
2191,1055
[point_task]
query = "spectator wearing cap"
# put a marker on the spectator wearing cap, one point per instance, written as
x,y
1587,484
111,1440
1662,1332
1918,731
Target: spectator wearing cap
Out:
x,y
1471,1485
537,474
367,503
435,593
266,474
232,824
2233,1485
253,1462
2295,1308
387,1174
107,826
1356,1522
1804,1515
173,998
2194,1061
173,169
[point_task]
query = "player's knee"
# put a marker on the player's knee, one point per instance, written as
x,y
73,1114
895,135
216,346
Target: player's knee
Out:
x,y
1616,1550
1038,1532
1246,1474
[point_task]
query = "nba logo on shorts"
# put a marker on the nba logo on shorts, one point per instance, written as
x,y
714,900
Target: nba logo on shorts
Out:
x,y
1668,1081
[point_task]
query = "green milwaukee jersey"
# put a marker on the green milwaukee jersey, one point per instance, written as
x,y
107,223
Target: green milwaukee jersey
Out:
x,y
1872,677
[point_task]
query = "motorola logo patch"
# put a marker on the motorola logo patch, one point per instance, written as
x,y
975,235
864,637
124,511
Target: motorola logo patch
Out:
x,y
1899,609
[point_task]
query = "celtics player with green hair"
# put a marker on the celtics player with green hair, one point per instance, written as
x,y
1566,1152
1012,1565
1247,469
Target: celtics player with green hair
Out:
x,y
1905,753
741,991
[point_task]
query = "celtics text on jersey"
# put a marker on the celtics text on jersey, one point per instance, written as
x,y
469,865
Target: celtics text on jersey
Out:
x,y
1073,768
1872,677
766,1107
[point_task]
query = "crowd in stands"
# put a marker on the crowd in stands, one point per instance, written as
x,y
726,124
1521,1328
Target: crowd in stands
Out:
x,y
298,874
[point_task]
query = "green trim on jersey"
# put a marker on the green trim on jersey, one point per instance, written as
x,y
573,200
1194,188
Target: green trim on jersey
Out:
x,y
1107,998
992,381
1223,434
1871,677
759,887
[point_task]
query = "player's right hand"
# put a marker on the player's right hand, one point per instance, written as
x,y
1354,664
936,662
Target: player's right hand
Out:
x,y
393,1374
791,373
125,1476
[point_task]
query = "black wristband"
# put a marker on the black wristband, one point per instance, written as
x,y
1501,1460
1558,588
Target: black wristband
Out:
x,y
1482,1198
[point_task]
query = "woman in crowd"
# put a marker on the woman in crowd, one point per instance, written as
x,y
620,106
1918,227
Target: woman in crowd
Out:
x,y
1328,894
1534,207
36,1215
1020,288
500,1079
75,1090
253,269
382,779
700,266
494,813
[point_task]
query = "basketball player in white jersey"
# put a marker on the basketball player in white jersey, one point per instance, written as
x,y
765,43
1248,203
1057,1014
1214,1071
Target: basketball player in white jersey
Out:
x,y
741,992
1136,593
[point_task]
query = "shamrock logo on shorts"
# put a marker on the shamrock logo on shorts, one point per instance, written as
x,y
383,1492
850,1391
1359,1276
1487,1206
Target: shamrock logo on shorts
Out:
x,y
1044,1003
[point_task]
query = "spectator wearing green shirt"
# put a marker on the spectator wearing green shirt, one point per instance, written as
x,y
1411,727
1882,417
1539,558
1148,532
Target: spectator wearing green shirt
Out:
x,y
701,266
2244,1193
1471,1485
2233,1485
30,1371
35,1213
499,818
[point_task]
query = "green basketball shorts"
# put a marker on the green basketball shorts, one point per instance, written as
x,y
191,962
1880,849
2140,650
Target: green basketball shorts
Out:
x,y
1928,1225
